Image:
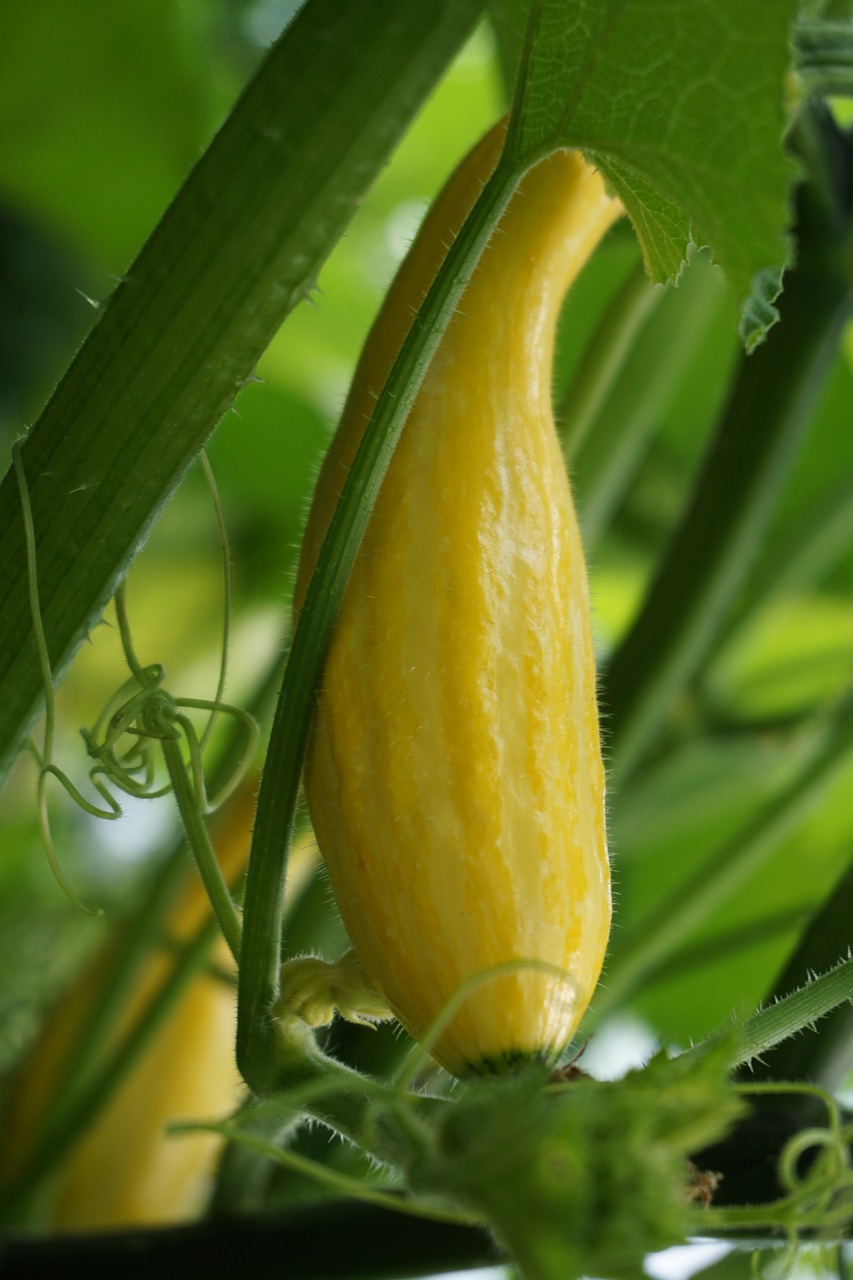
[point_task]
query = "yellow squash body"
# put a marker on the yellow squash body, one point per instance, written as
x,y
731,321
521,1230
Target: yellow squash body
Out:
x,y
454,772
127,1170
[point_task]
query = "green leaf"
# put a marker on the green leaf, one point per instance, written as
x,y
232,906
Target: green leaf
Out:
x,y
102,177
770,405
635,86
238,249
674,320
584,1179
641,949
507,19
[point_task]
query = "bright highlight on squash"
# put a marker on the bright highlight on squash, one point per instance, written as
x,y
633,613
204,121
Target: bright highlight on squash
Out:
x,y
454,772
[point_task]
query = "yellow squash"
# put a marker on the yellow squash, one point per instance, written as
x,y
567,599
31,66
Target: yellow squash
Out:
x,y
127,1170
454,771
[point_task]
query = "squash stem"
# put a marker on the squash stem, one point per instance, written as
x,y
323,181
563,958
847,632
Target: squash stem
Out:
x,y
607,459
603,358
825,1059
777,1024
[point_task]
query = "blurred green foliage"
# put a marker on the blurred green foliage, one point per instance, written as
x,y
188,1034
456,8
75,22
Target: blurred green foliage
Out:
x,y
102,113
102,118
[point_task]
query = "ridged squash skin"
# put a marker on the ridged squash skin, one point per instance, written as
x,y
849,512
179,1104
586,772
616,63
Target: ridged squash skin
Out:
x,y
454,771
126,1170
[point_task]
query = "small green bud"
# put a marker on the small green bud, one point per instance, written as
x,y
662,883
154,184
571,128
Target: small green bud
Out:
x,y
587,1178
315,990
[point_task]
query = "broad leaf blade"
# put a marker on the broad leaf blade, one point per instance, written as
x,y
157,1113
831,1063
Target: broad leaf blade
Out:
x,y
237,250
681,106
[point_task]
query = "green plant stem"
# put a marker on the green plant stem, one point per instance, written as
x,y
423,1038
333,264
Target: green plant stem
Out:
x,y
238,249
227,594
671,921
199,842
603,358
334,1240
823,56
735,941
91,1072
803,555
144,929
260,957
71,1121
785,1018
85,1048
308,1084
607,460
825,1058
710,553
778,1022
45,756
333,1179
34,601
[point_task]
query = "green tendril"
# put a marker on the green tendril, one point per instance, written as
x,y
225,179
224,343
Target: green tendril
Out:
x,y
141,725
45,756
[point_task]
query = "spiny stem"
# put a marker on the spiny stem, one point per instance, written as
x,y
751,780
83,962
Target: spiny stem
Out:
x,y
801,1008
199,841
